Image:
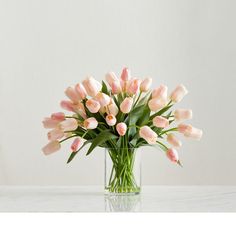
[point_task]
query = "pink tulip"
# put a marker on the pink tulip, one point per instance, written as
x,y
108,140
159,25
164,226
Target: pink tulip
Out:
x,y
194,133
69,124
184,128
148,134
125,75
116,87
183,114
82,114
77,144
92,86
190,131
172,154
146,84
121,128
111,119
126,105
178,94
103,99
79,109
102,110
90,123
160,92
51,147
55,134
79,88
160,122
59,116
172,139
112,109
133,86
111,77
93,105
156,104
50,123
72,95
67,105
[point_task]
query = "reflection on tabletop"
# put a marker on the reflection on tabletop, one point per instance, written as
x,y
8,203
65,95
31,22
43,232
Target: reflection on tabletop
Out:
x,y
122,203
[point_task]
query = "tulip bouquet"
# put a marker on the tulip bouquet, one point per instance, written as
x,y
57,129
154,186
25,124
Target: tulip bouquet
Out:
x,y
121,115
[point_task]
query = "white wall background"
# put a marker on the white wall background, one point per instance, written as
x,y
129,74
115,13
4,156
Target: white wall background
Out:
x,y
47,45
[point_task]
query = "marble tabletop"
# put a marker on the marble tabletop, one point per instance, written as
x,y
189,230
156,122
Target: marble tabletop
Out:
x,y
92,199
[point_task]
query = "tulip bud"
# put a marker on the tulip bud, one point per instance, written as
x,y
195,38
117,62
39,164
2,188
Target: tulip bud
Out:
x,y
133,86
194,133
146,84
69,124
160,122
93,105
67,105
103,99
79,108
102,110
148,134
72,95
172,139
111,119
51,147
55,134
183,114
77,144
125,75
111,77
184,128
126,105
156,104
79,88
112,109
59,116
90,123
190,131
121,128
116,87
160,92
178,94
49,123
172,154
92,86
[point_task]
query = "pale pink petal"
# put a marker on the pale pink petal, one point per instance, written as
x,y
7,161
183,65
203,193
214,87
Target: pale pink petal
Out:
x,y
77,144
172,154
178,94
90,123
93,105
173,140
126,105
121,128
51,147
111,119
92,86
148,134
160,122
146,84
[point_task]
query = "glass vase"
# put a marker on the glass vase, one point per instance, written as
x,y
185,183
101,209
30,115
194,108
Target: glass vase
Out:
x,y
122,171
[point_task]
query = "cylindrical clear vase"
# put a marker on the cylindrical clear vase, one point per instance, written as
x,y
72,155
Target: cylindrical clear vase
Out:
x,y
122,171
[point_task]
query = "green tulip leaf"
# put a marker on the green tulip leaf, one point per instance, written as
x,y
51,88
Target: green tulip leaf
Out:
x,y
101,139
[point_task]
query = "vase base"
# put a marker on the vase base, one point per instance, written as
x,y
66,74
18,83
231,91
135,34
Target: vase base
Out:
x,y
122,192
